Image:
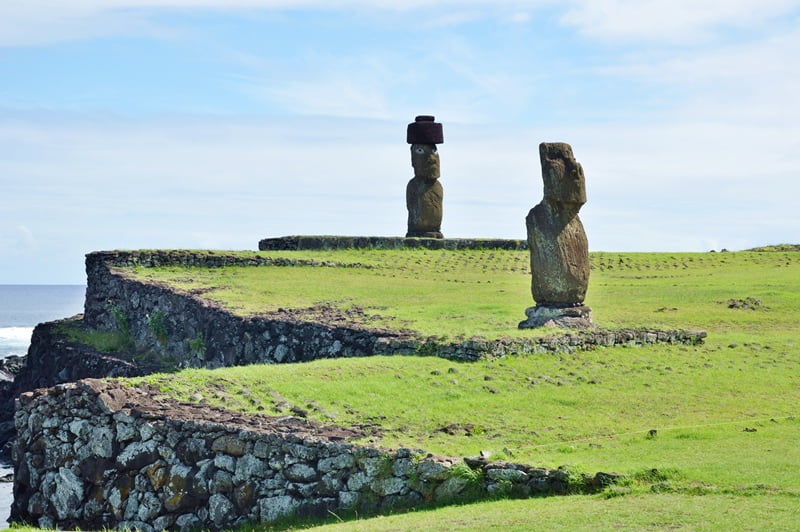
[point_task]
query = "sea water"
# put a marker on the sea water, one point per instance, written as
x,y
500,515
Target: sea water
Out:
x,y
22,307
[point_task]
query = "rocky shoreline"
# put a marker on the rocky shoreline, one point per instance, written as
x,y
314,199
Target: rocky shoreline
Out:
x,y
9,369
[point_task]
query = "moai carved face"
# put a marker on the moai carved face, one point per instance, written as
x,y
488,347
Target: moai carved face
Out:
x,y
425,160
562,174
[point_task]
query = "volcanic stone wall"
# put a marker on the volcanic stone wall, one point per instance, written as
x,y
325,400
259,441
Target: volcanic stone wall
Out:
x,y
95,455
53,359
196,333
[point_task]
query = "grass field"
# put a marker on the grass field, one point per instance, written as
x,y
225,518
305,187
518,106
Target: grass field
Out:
x,y
725,453
485,292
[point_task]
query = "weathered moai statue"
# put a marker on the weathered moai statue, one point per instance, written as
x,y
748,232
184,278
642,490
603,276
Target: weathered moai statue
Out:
x,y
424,193
558,245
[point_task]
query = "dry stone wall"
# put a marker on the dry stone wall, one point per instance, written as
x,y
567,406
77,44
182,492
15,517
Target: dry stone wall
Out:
x,y
196,333
95,455
53,359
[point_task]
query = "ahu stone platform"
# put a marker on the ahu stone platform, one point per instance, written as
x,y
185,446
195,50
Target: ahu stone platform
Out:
x,y
301,242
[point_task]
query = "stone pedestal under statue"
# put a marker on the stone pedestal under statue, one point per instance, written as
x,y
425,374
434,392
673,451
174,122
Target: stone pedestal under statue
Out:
x,y
579,317
424,193
558,245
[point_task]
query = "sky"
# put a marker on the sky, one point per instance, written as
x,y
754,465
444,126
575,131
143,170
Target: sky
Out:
x,y
129,124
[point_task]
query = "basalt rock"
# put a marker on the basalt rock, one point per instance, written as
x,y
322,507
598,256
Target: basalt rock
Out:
x,y
557,241
579,317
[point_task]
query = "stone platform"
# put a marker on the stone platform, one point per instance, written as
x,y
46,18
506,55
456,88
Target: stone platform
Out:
x,y
307,242
576,317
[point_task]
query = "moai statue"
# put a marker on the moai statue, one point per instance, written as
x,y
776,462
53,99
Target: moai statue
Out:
x,y
558,245
424,193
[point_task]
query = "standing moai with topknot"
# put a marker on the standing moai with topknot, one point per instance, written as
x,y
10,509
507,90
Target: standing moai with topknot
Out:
x,y
424,193
558,245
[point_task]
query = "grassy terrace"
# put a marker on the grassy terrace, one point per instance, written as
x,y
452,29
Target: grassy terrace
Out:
x,y
725,450
484,292
434,292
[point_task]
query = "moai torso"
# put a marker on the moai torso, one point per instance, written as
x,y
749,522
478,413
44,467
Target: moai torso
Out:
x,y
557,241
424,202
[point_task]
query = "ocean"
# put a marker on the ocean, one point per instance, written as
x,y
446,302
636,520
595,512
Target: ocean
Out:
x,y
22,307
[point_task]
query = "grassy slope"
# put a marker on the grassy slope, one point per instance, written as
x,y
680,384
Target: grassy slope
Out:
x,y
454,293
582,513
448,293
590,410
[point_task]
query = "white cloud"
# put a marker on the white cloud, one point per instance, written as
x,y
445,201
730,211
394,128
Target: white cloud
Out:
x,y
742,60
34,22
671,21
456,79
519,17
335,96
38,22
42,22
739,94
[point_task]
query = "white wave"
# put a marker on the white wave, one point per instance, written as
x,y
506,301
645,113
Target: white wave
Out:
x,y
16,336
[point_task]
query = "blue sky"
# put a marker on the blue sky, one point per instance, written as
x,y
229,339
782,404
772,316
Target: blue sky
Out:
x,y
212,124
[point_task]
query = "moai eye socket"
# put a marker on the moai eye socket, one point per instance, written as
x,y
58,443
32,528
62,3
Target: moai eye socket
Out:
x,y
422,150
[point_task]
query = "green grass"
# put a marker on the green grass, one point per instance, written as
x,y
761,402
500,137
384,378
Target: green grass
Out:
x,y
484,293
589,513
433,292
115,342
592,411
725,412
652,511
